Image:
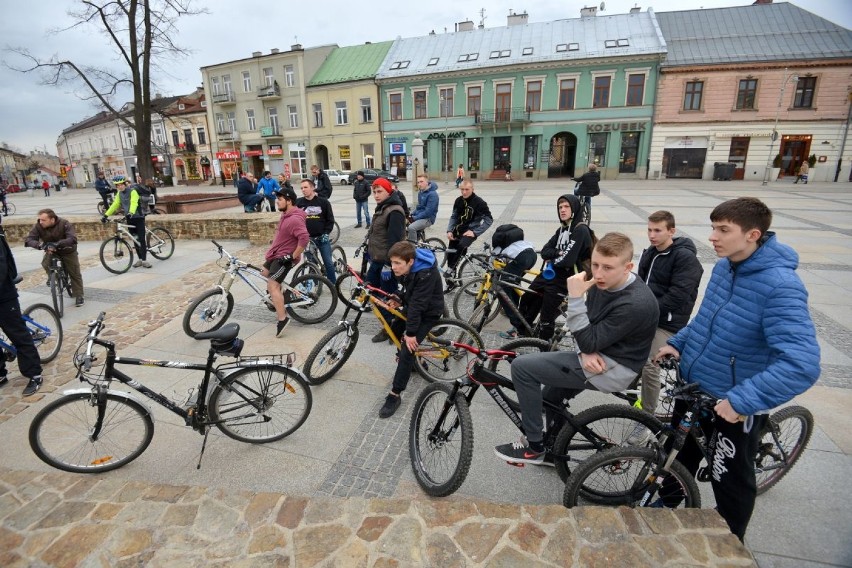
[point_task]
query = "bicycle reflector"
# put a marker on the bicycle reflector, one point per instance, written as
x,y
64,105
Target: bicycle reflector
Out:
x,y
233,348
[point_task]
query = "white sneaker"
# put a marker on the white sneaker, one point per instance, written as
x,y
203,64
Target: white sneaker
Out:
x,y
146,264
137,264
639,436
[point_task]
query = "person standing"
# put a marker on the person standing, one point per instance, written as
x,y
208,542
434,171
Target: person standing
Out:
x,y
247,194
361,194
508,171
290,241
469,219
319,218
46,187
104,189
128,200
459,175
802,173
587,187
321,182
56,236
426,212
267,187
388,228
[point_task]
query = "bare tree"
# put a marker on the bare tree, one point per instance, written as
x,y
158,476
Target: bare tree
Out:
x,y
141,34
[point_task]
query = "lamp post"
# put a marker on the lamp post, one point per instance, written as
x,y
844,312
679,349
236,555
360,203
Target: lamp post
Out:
x,y
774,135
447,165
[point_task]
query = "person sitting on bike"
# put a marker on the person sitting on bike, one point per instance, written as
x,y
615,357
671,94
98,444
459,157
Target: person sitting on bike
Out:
x,y
569,246
613,328
104,189
470,218
56,236
320,221
423,302
508,243
587,187
266,187
129,202
752,345
247,195
426,212
290,241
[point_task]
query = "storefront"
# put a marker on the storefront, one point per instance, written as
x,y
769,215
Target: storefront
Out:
x,y
229,162
684,157
275,159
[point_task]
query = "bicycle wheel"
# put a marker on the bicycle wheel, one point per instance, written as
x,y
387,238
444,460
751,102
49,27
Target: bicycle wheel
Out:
x,y
472,266
330,354
793,426
304,269
160,243
207,312
502,367
446,363
101,208
440,440
116,255
621,474
314,301
347,286
335,233
468,298
46,330
10,208
612,424
61,434
665,404
56,293
338,256
439,247
260,403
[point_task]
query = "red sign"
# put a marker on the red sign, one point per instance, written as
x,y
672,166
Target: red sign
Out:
x,y
250,153
227,155
275,150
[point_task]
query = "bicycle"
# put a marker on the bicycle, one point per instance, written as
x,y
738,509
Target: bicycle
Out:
x,y
436,245
634,476
255,399
110,198
310,298
433,361
59,282
8,207
44,327
117,252
471,265
312,261
441,425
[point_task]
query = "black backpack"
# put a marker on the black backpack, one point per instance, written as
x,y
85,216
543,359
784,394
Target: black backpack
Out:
x,y
144,198
586,263
505,235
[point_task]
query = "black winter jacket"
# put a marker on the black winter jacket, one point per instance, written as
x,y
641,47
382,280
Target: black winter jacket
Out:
x,y
569,245
589,184
423,295
323,185
471,213
361,190
673,275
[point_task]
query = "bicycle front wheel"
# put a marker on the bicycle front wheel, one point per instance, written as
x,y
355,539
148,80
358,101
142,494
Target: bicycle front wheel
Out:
x,y
261,403
437,362
440,440
314,300
116,255
207,312
330,354
334,235
46,330
62,433
10,208
622,474
468,298
160,243
347,286
793,427
56,293
338,256
439,247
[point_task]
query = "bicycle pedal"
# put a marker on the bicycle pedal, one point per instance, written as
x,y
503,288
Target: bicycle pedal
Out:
x,y
703,474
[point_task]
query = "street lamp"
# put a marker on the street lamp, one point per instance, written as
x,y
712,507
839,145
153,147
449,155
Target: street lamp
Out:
x,y
774,135
445,159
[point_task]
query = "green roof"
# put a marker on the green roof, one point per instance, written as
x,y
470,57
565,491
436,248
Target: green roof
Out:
x,y
351,63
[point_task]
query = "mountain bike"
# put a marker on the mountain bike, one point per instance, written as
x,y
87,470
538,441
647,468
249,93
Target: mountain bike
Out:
x,y
312,261
117,252
46,330
441,429
255,399
8,207
59,283
310,298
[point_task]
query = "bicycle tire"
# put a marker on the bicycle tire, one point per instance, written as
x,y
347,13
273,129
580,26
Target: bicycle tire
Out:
x,y
665,404
468,298
305,268
330,354
61,433
257,404
334,235
116,255
440,363
338,257
10,208
47,344
472,266
210,316
322,297
520,346
101,208
792,423
163,247
618,473
439,247
612,422
56,294
346,286
432,436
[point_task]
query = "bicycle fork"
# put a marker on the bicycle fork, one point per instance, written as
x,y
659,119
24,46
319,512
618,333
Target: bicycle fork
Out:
x,y
99,400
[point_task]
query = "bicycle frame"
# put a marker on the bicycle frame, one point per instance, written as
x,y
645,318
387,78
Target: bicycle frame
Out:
x,y
367,296
8,347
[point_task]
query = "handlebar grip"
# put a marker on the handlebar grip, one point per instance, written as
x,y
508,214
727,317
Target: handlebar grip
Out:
x,y
218,246
101,317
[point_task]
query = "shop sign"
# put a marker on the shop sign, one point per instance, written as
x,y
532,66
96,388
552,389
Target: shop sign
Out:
x,y
344,152
397,139
441,135
615,127
743,135
252,153
397,148
275,150
228,155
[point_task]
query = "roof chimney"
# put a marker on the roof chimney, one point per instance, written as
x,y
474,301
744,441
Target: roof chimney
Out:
x,y
256,53
588,12
465,26
273,51
516,19
296,47
635,9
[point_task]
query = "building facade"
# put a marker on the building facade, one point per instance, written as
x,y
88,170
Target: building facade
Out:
x,y
92,145
185,129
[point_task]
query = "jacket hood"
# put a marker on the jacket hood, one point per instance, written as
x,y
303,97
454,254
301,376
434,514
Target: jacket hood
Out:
x,y
423,258
771,254
684,243
575,209
431,187
393,199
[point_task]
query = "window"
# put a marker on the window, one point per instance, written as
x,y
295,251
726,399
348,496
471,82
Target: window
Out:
x,y
399,64
597,149
114,142
503,102
267,76
342,113
215,85
317,108
175,139
447,102
804,92
293,115
601,94
246,82
530,151
159,139
232,121
494,54
202,135
181,106
272,113
473,154
289,76
366,110
635,89
220,122
534,96
395,106
692,95
250,120
420,104
187,138
368,151
610,43
623,42
468,57
561,47
567,88
527,51
433,61
345,157
474,101
226,84
746,93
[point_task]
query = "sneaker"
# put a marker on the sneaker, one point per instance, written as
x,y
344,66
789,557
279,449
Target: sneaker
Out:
x,y
358,226
80,301
451,285
639,436
548,460
146,264
381,336
137,264
512,333
281,325
33,385
518,452
3,380
368,225
388,409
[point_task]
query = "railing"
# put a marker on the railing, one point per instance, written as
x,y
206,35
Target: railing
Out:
x,y
186,148
269,91
503,116
270,131
224,98
228,134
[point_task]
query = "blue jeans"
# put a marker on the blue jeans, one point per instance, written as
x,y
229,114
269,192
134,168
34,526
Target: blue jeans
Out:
x,y
362,206
374,278
328,262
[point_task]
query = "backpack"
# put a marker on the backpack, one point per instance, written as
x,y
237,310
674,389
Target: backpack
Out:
x,y
144,198
585,264
505,235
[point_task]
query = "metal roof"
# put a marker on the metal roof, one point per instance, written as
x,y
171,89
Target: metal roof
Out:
x,y
578,38
763,32
352,63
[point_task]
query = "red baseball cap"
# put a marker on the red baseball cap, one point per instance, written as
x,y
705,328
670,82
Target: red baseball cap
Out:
x,y
383,183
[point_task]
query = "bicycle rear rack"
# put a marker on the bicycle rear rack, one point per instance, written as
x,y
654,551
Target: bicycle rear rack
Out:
x,y
284,359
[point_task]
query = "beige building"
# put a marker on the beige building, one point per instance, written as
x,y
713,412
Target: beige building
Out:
x,y
186,132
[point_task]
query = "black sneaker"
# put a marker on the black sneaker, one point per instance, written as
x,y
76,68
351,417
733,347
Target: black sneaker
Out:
x,y
358,226
388,409
33,385
281,325
518,452
381,336
3,380
80,301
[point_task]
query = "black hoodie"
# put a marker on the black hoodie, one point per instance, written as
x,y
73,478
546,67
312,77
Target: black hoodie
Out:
x,y
571,244
673,275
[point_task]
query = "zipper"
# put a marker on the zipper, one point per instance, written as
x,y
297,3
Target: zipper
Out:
x,y
733,364
653,260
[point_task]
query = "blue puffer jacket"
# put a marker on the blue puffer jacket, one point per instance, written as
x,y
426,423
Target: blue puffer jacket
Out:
x,y
427,204
752,341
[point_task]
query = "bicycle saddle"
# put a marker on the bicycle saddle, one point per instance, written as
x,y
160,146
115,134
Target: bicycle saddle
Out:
x,y
227,332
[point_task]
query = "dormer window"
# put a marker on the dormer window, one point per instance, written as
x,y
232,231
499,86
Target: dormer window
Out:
x,y
573,47
433,61
623,42
527,51
561,47
181,106
610,43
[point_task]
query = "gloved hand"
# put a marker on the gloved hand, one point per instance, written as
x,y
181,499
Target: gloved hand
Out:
x,y
49,247
324,238
104,219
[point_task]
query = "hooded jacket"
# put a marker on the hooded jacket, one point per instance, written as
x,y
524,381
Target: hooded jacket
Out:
x,y
292,233
471,213
387,228
752,340
673,275
570,244
589,184
427,204
424,291
267,186
61,233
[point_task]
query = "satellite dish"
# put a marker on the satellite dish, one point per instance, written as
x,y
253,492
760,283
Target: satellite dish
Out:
x,y
603,6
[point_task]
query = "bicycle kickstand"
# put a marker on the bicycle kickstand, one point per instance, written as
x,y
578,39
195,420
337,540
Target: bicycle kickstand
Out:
x,y
203,447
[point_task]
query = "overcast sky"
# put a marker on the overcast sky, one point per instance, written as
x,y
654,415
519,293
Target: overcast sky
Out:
x,y
33,115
